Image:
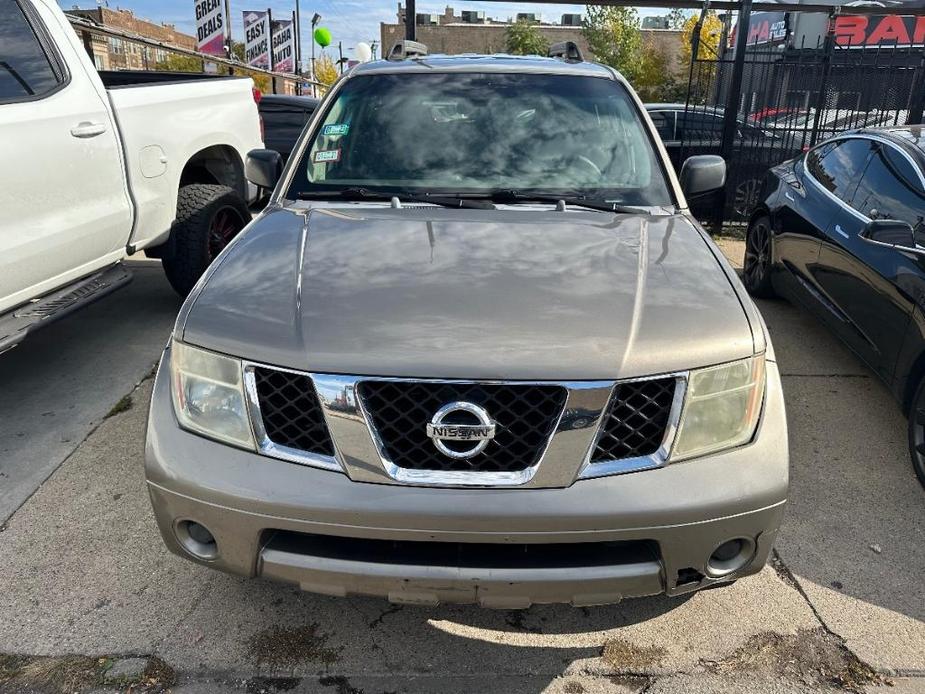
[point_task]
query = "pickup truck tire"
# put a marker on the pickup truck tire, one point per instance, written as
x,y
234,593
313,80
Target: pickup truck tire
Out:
x,y
208,218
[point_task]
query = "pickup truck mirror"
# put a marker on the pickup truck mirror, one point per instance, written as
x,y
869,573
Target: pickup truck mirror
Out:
x,y
263,168
892,232
702,174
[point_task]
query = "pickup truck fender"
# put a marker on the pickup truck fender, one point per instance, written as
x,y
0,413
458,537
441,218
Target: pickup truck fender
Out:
x,y
166,146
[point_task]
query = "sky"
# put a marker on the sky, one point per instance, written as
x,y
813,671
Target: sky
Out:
x,y
349,21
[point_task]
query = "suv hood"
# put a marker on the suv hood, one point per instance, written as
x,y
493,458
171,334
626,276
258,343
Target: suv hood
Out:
x,y
472,294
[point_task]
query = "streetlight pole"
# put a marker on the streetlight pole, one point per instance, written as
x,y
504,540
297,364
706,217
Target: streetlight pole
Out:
x,y
315,19
298,49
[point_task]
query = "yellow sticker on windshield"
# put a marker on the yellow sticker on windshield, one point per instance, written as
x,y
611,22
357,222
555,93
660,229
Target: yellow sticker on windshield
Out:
x,y
327,156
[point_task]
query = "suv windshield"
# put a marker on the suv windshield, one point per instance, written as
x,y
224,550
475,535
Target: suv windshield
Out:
x,y
482,134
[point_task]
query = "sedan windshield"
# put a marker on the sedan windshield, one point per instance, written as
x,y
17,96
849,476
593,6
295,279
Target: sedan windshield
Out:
x,y
483,134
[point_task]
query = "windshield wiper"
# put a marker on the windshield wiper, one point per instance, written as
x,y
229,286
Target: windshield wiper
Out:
x,y
426,198
576,200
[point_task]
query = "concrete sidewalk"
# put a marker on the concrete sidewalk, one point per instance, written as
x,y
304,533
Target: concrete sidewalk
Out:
x,y
83,571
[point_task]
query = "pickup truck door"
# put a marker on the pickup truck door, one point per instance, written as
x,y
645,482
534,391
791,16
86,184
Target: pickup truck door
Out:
x,y
66,210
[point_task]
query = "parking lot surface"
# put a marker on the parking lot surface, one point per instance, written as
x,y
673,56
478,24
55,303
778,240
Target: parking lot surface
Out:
x,y
90,599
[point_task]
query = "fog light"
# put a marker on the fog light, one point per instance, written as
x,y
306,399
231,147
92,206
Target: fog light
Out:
x,y
197,540
730,556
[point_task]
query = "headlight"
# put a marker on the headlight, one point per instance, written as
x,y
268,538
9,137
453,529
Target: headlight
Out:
x,y
721,408
208,394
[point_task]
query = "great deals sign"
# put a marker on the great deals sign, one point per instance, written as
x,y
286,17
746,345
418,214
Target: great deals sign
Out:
x,y
257,39
210,27
283,42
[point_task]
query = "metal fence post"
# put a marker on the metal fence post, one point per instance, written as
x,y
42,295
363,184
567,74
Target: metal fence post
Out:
x,y
917,97
730,120
828,48
730,115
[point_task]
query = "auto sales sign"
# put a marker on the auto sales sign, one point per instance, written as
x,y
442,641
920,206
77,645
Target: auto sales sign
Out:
x,y
210,27
863,31
283,42
257,39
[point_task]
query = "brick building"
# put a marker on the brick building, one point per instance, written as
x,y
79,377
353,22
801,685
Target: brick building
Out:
x,y
473,32
112,53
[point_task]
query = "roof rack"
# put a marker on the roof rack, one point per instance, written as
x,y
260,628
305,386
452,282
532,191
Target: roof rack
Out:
x,y
567,51
407,49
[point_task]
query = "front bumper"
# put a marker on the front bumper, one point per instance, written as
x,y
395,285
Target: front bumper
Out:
x,y
271,518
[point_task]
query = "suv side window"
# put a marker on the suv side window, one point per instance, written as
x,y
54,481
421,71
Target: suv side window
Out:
x,y
891,189
664,123
26,71
838,165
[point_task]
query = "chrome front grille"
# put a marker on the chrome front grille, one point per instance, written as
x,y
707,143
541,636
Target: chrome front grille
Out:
x,y
290,412
636,421
526,416
543,434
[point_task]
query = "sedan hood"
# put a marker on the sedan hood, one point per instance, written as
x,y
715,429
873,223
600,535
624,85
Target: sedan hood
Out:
x,y
471,294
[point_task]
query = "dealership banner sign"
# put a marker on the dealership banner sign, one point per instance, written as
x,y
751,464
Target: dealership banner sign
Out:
x,y
864,31
283,41
210,27
257,39
763,28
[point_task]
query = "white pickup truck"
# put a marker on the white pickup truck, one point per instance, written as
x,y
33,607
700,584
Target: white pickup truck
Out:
x,y
100,165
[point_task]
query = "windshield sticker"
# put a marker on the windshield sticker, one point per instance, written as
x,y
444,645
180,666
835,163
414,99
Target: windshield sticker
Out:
x,y
336,129
327,156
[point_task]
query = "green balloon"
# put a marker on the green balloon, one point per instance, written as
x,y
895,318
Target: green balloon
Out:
x,y
322,37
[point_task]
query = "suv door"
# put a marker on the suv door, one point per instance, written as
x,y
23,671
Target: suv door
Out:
x,y
66,211
876,286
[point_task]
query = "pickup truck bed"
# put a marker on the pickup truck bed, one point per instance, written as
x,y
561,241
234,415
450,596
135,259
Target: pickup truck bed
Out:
x,y
101,164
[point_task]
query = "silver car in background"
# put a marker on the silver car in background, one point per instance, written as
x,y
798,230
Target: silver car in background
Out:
x,y
475,350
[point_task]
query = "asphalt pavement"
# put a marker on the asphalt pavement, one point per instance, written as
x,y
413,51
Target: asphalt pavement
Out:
x,y
90,599
62,381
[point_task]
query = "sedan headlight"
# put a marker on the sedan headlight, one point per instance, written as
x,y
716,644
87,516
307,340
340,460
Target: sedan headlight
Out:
x,y
208,394
721,408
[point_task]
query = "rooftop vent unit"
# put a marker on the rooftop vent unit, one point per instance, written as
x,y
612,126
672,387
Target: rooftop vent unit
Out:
x,y
427,19
571,20
528,17
473,17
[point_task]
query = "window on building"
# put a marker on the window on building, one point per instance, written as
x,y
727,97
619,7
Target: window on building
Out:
x,y
25,69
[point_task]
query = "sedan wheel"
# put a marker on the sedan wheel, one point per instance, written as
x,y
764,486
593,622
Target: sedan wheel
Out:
x,y
917,432
757,270
746,197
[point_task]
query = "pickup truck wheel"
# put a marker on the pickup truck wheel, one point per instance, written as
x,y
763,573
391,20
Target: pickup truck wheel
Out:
x,y
208,218
917,432
757,270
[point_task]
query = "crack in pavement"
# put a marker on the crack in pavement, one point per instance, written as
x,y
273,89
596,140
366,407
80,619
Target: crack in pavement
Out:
x,y
787,576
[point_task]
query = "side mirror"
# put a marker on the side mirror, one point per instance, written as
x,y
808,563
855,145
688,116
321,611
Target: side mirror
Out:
x,y
891,232
702,174
263,168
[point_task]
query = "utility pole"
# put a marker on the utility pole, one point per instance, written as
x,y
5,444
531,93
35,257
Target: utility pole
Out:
x,y
340,52
229,53
411,20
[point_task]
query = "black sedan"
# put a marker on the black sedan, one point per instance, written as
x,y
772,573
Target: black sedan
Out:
x,y
841,231
284,117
